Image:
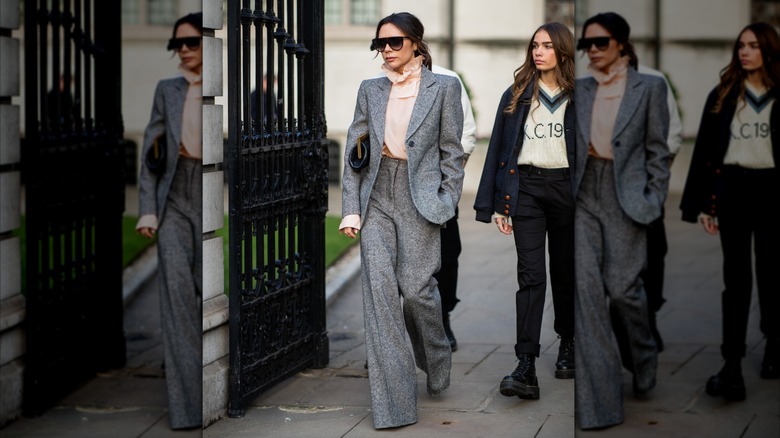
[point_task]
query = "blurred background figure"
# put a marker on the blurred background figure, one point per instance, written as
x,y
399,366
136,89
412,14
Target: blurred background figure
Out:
x,y
621,183
170,206
731,189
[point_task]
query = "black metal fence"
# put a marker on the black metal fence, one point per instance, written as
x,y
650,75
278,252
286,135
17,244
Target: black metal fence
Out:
x,y
278,188
72,164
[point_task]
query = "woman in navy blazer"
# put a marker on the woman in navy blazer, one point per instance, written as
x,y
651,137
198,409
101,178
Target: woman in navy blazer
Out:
x,y
526,178
732,176
620,183
410,188
171,207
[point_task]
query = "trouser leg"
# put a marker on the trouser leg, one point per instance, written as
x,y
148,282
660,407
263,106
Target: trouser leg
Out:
x,y
179,245
396,261
529,234
447,276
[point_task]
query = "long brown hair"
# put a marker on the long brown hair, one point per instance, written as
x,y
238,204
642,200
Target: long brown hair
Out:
x,y
413,28
527,74
734,75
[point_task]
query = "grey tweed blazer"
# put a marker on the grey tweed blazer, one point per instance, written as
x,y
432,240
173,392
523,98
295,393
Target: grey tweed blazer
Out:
x,y
435,154
166,118
641,154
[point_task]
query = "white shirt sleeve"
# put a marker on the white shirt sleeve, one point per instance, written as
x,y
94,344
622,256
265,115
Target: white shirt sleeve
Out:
x,y
674,141
469,137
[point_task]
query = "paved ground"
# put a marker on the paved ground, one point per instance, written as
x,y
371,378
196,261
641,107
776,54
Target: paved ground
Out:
x,y
334,402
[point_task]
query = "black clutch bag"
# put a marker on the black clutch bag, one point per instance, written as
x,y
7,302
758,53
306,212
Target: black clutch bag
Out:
x,y
361,153
155,156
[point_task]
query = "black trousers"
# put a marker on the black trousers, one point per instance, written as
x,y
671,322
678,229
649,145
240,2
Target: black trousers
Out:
x,y
448,273
545,217
746,220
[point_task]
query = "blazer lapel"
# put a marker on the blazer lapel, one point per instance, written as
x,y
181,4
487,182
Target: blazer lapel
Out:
x,y
177,108
377,98
585,91
631,98
429,89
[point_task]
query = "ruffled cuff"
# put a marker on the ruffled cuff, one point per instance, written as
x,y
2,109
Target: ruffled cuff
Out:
x,y
147,221
351,221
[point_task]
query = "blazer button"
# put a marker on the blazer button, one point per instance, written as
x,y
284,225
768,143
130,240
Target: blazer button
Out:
x,y
506,212
502,164
411,144
507,197
512,172
506,205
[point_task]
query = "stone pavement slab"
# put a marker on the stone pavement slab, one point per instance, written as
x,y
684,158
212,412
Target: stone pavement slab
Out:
x,y
335,401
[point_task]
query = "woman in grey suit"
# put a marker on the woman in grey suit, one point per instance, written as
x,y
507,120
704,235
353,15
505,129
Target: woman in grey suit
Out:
x,y
620,182
399,202
171,205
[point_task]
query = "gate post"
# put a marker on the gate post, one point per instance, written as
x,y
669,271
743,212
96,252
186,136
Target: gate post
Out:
x,y
314,65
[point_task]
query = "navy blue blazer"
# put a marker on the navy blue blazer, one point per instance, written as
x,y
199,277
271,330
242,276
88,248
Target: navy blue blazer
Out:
x,y
500,179
703,184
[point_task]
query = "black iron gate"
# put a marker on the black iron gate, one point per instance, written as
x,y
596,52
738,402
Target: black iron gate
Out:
x,y
277,166
73,173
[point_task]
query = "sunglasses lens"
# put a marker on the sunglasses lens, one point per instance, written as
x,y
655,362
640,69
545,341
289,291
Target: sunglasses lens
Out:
x,y
396,43
379,44
601,43
192,43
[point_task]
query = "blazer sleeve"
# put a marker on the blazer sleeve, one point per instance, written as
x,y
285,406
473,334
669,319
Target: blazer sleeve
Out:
x,y
483,203
657,150
350,180
700,181
147,182
451,150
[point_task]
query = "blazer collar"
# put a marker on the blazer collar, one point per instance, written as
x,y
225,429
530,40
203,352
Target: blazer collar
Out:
x,y
585,90
632,98
424,102
380,93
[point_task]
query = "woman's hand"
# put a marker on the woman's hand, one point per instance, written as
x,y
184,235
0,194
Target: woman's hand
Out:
x,y
349,232
146,232
709,224
503,225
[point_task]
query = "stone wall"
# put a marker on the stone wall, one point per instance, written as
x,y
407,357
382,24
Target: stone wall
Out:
x,y
12,304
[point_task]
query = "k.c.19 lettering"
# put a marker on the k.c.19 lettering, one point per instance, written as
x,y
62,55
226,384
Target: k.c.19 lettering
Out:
x,y
751,130
541,130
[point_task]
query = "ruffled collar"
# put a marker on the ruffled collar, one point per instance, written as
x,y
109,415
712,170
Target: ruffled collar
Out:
x,y
618,70
412,71
189,75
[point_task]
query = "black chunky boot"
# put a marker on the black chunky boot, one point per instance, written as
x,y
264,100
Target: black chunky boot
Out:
x,y
728,383
450,335
770,366
522,382
564,367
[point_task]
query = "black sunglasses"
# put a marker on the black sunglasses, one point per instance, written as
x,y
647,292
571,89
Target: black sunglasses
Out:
x,y
601,43
395,43
176,44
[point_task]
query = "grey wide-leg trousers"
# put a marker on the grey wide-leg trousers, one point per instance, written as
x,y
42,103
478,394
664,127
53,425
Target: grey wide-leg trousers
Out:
x,y
400,252
611,251
180,253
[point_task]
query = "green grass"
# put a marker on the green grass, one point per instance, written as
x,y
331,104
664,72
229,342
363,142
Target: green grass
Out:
x,y
134,244
132,247
335,243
